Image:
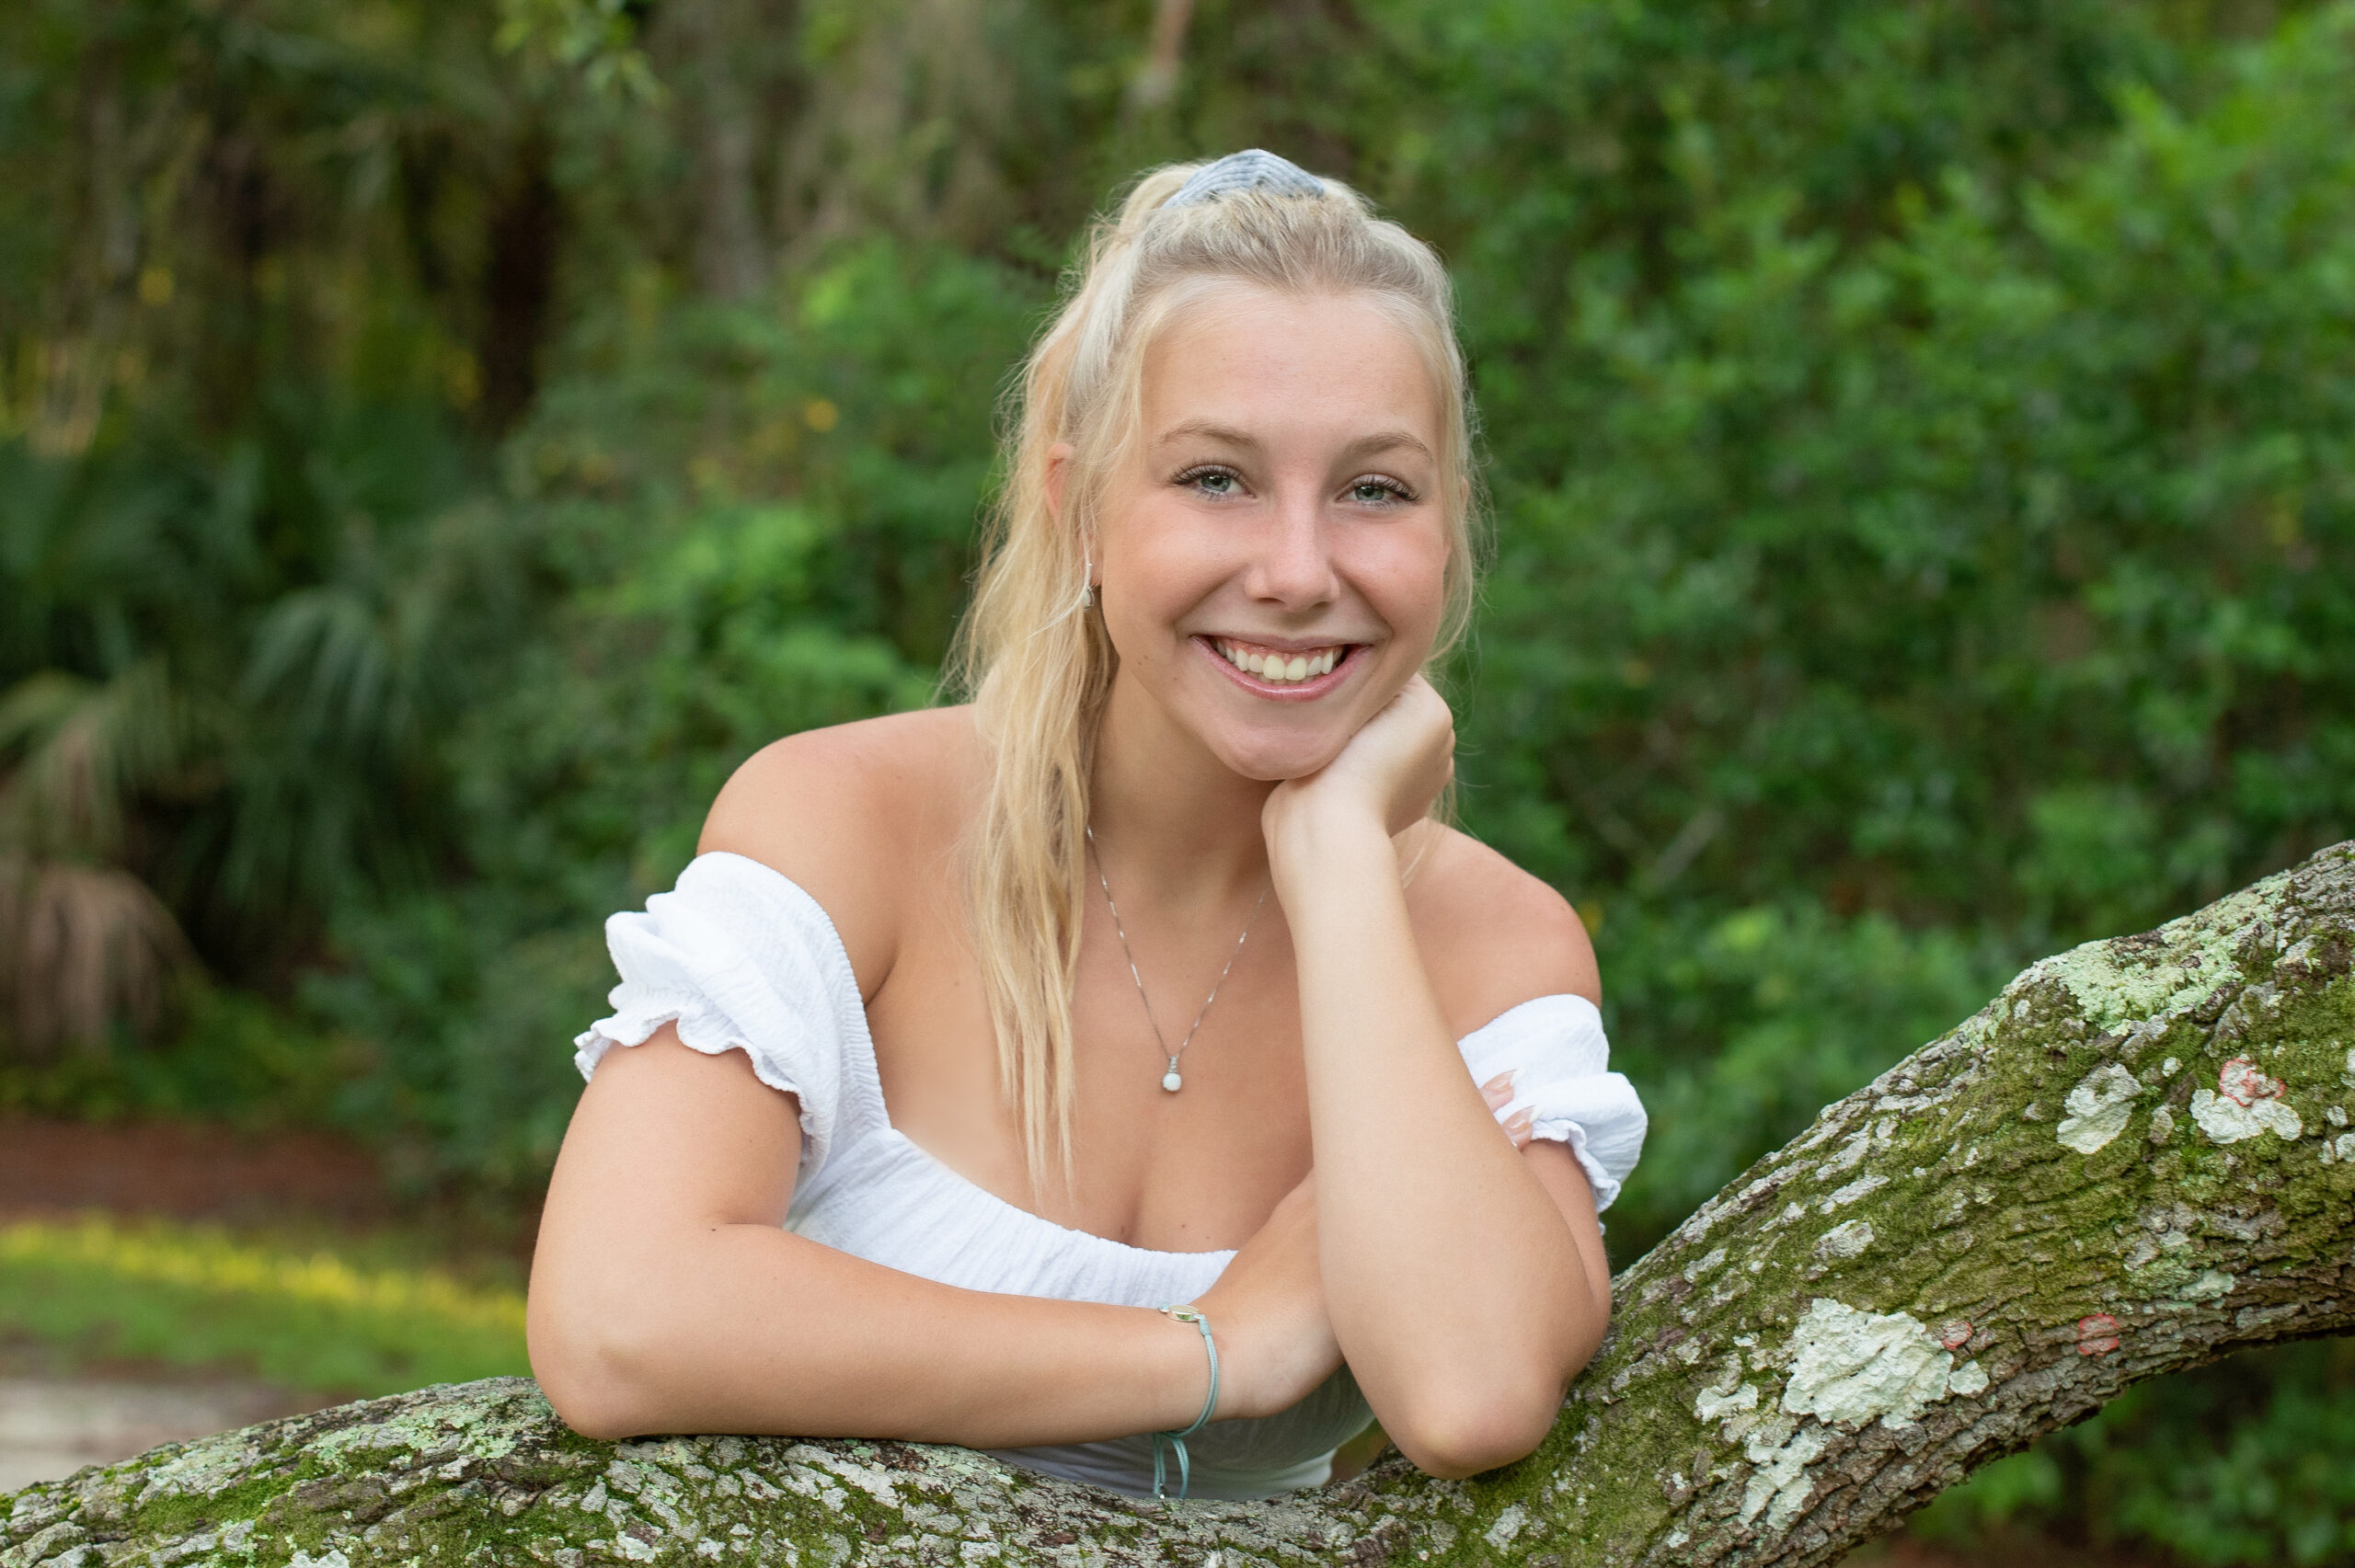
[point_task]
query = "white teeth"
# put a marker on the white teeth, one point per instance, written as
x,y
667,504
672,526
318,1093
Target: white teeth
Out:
x,y
1276,668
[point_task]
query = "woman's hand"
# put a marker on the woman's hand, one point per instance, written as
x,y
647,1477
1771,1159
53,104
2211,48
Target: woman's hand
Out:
x,y
1275,1344
1388,772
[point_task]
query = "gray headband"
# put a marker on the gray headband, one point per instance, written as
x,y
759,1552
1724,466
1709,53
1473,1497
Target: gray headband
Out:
x,y
1252,170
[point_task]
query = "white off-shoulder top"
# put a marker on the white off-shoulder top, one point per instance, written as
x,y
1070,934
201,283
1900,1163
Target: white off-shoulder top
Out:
x,y
741,958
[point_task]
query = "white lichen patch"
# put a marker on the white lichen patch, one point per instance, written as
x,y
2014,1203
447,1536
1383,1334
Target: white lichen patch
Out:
x,y
1851,1192
485,1429
878,1484
2098,1108
1693,1275
2227,1120
2196,961
1845,1241
2162,1125
1851,1155
1713,1403
2212,1285
1779,1485
1500,1534
1968,1378
202,1468
1854,1367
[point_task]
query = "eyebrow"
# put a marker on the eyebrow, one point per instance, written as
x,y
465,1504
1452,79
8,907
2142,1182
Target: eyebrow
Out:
x,y
1364,446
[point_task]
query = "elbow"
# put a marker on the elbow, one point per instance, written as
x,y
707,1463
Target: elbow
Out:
x,y
1461,1420
589,1366
591,1411
1463,1434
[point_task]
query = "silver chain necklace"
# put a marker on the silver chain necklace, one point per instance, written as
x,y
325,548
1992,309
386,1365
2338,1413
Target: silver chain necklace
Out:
x,y
1172,1080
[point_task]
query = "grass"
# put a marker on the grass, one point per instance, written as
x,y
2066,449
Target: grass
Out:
x,y
349,1319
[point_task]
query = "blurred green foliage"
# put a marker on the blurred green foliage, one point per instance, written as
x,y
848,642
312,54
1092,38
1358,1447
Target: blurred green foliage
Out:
x,y
440,439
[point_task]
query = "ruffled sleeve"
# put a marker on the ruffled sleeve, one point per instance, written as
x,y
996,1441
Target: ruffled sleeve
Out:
x,y
1555,1048
740,958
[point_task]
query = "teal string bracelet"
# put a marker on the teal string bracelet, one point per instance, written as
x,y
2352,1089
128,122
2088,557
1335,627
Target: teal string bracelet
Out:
x,y
1163,1440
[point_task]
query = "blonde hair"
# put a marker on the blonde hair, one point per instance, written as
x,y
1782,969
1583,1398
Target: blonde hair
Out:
x,y
1037,664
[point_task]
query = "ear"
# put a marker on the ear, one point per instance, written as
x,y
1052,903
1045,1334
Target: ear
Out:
x,y
1059,458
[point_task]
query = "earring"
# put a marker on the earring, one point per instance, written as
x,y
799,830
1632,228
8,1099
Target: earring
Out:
x,y
1087,583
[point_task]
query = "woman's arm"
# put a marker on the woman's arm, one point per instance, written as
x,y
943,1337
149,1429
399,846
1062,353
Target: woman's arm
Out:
x,y
665,1299
1466,1281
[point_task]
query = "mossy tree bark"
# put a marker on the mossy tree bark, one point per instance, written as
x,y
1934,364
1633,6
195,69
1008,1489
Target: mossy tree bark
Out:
x,y
2135,1159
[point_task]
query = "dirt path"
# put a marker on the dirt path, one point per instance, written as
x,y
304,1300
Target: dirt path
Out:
x,y
52,1426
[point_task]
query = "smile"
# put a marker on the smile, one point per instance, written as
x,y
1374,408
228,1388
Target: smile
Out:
x,y
1296,671
1278,665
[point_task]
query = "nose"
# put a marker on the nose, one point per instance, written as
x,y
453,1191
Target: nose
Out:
x,y
1293,567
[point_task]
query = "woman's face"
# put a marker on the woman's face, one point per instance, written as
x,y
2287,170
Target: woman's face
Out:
x,y
1273,553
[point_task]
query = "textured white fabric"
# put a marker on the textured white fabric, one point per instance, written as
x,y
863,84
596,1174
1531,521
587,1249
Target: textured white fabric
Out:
x,y
741,958
1554,1047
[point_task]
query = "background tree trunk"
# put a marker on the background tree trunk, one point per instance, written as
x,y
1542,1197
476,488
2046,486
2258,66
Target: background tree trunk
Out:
x,y
718,45
2134,1160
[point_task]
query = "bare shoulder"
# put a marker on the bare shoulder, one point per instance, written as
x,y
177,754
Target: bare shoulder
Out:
x,y
859,815
1493,936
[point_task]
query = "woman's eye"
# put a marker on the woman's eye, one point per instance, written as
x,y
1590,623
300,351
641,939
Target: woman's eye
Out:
x,y
1377,492
1213,481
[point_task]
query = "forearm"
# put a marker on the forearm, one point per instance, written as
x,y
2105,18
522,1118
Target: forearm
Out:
x,y
667,1297
1453,1284
749,1328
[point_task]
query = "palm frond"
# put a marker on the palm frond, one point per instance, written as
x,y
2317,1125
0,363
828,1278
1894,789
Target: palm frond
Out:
x,y
327,654
83,747
81,947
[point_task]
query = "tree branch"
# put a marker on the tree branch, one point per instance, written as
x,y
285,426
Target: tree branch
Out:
x,y
2135,1159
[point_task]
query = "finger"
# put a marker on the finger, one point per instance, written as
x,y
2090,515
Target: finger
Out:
x,y
1518,1127
1498,1090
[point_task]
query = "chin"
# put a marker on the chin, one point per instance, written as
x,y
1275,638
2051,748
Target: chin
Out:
x,y
1273,759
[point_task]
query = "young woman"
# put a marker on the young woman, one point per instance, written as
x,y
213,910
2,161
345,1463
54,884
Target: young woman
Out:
x,y
979,1038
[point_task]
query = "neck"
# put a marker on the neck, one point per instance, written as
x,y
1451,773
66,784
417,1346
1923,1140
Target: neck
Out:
x,y
1179,822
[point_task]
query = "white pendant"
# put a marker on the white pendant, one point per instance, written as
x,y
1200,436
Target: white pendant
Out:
x,y
1171,1081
